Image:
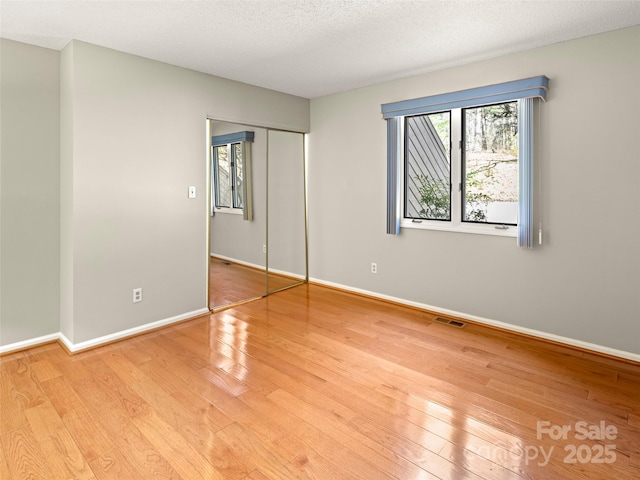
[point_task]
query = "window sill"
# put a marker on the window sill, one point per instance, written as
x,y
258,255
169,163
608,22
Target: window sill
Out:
x,y
477,229
232,211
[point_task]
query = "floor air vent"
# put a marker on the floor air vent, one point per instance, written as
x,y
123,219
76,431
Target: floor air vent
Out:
x,y
448,321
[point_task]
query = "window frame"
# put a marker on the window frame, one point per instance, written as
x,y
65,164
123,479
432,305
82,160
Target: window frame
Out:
x,y
405,165
463,165
244,139
456,223
215,184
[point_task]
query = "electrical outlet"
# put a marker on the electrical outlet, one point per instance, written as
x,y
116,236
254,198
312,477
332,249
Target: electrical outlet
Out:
x,y
374,268
137,295
264,249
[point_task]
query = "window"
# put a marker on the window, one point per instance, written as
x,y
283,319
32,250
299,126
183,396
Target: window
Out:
x,y
485,166
231,167
463,161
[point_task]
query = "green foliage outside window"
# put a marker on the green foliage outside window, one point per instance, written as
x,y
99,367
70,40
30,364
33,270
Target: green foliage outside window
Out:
x,y
434,198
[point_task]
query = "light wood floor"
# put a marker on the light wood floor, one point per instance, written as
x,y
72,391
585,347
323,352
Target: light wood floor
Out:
x,y
315,383
231,282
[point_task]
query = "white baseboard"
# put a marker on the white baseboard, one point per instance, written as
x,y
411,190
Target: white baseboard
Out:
x,y
258,267
96,342
283,273
32,342
239,262
634,357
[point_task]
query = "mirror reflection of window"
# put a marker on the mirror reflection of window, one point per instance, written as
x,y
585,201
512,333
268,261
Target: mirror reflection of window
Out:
x,y
222,176
231,167
238,186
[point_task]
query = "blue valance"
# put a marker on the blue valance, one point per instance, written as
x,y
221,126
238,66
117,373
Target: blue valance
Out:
x,y
502,92
232,138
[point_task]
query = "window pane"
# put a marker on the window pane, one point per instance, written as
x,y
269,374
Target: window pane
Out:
x,y
428,167
490,164
239,175
223,176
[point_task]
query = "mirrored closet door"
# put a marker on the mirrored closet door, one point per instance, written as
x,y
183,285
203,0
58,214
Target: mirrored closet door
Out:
x,y
257,230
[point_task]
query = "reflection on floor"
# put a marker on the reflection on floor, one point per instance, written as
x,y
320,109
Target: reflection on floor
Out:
x,y
232,282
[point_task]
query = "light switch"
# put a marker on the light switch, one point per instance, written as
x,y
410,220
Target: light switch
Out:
x,y
192,192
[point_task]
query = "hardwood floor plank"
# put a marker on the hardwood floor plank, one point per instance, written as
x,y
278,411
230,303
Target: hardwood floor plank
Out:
x,y
60,450
24,386
259,455
23,455
623,400
4,467
100,391
223,380
44,370
184,377
124,368
91,441
190,424
174,448
12,402
160,371
318,455
300,440
113,466
311,462
196,420
257,475
538,380
374,460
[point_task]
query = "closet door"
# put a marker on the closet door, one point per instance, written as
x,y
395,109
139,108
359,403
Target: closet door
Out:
x,y
286,230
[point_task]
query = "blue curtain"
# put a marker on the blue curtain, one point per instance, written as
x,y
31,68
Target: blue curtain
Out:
x,y
525,173
393,175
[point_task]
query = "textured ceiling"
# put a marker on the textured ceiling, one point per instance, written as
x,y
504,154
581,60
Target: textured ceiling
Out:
x,y
312,48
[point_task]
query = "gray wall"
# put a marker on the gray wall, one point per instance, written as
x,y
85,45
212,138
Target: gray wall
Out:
x,y
583,283
30,192
139,140
132,138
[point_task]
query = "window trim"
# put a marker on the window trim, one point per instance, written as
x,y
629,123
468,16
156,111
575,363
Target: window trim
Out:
x,y
455,224
233,178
